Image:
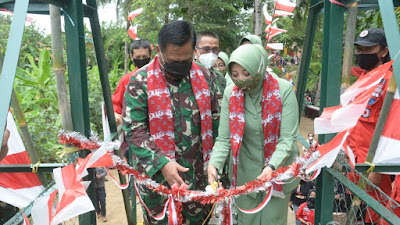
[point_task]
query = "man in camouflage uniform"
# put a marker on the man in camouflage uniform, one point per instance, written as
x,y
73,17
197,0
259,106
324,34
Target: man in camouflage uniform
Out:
x,y
176,42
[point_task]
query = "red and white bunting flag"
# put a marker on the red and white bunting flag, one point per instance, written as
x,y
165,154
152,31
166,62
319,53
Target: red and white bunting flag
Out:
x,y
328,152
388,146
268,18
134,13
42,209
73,200
275,46
354,100
282,13
132,32
17,189
26,220
100,158
274,29
285,5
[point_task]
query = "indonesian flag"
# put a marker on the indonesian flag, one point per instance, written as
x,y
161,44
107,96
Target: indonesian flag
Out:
x,y
275,46
99,158
132,32
42,209
18,189
72,197
134,13
272,31
268,18
353,102
285,5
388,146
282,13
329,151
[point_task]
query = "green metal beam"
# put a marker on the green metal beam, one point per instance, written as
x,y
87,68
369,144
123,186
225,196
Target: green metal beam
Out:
x,y
380,209
312,22
76,55
379,167
392,33
11,60
324,199
27,168
105,84
331,59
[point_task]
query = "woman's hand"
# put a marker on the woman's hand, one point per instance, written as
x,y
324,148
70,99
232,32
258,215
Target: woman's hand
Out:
x,y
266,174
211,171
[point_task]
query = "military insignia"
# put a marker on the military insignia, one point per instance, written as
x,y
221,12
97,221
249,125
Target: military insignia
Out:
x,y
364,33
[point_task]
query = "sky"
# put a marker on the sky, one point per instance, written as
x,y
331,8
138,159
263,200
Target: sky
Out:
x,y
106,13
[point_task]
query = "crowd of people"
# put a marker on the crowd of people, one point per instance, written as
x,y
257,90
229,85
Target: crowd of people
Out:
x,y
193,114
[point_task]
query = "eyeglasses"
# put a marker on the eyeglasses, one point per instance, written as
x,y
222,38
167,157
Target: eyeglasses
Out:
x,y
215,50
220,66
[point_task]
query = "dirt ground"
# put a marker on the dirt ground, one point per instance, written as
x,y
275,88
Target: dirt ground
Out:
x,y
115,206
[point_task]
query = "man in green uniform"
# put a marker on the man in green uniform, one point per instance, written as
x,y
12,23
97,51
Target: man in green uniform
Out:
x,y
183,160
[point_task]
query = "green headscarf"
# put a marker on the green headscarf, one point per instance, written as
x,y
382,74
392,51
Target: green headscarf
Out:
x,y
254,39
254,59
222,55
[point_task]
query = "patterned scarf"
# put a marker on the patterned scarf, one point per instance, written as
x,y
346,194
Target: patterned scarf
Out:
x,y
160,110
271,119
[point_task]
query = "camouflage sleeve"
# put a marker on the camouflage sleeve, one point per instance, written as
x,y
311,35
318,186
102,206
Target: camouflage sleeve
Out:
x,y
137,132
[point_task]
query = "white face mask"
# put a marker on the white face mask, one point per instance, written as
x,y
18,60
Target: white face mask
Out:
x,y
310,138
208,59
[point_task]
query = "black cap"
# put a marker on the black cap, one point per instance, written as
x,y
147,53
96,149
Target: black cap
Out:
x,y
371,37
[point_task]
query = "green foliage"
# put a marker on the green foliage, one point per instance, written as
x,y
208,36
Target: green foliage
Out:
x,y
33,40
36,92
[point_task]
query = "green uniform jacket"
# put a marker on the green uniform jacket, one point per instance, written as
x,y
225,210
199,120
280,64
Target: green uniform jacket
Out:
x,y
251,157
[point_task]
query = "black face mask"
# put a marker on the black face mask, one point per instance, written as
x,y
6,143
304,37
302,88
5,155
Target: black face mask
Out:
x,y
178,70
311,202
139,63
367,61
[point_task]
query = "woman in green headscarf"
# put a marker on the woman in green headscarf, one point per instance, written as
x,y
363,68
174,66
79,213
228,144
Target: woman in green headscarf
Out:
x,y
250,39
259,119
221,64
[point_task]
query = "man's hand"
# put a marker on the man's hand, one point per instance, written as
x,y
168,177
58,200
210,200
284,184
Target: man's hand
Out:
x,y
98,176
170,173
118,119
290,204
266,174
4,146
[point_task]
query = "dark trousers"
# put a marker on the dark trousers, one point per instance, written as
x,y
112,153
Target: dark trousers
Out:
x,y
101,201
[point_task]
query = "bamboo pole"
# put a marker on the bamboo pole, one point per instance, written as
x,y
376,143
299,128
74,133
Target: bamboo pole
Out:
x,y
26,137
59,68
349,44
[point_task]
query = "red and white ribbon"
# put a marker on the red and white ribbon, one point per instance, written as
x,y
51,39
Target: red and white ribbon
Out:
x,y
259,207
121,186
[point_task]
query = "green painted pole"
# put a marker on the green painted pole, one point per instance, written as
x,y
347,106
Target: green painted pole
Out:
x,y
11,60
331,58
312,21
325,196
105,84
76,55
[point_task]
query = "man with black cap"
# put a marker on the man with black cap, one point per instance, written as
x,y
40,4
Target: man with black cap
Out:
x,y
371,52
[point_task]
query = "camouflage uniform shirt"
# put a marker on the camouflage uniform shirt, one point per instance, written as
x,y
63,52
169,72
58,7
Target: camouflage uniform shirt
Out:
x,y
187,127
